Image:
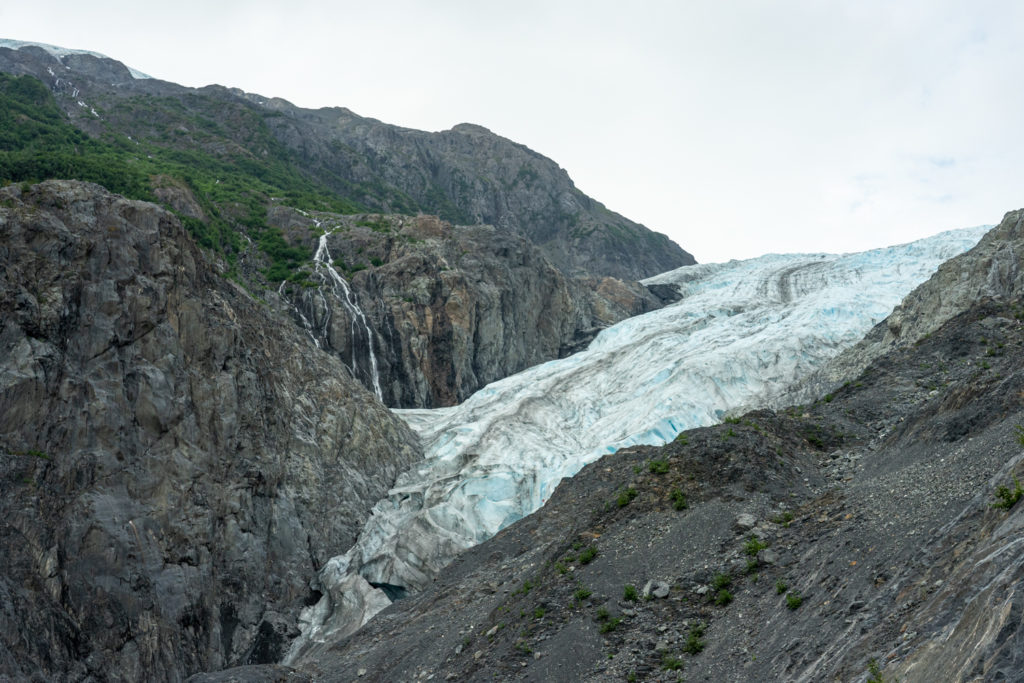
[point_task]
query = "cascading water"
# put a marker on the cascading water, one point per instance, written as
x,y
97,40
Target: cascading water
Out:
x,y
322,261
319,327
743,332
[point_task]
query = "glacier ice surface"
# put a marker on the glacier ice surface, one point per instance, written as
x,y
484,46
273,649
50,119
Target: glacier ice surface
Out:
x,y
743,332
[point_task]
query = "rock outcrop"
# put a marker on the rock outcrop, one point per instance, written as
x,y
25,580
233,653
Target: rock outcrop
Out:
x,y
175,461
447,309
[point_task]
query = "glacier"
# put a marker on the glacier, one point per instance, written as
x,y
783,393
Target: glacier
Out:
x,y
742,333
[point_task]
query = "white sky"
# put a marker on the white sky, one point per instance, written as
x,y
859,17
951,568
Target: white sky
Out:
x,y
737,127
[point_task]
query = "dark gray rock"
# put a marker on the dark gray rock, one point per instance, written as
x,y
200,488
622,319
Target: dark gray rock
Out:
x,y
175,462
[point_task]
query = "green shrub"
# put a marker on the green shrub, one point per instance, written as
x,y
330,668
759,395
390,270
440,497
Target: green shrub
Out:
x,y
678,499
682,438
874,671
721,581
582,593
658,466
780,587
753,546
626,497
794,600
723,598
610,625
588,555
670,663
538,612
1007,497
784,519
694,645
630,593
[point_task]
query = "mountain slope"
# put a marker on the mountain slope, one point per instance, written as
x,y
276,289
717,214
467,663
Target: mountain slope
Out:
x,y
167,449
444,309
466,174
442,313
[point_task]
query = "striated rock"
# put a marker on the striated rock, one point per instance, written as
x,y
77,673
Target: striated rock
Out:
x,y
175,462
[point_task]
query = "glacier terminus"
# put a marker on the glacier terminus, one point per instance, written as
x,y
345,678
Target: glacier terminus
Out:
x,y
742,333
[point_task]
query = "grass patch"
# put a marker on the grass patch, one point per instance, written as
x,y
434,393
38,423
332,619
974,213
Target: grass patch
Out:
x,y
582,593
670,663
753,546
721,581
678,499
785,519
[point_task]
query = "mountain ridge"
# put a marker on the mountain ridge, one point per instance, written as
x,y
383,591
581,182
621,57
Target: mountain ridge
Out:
x,y
387,168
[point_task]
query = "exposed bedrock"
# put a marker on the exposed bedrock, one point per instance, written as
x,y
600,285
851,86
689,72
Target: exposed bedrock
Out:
x,y
175,461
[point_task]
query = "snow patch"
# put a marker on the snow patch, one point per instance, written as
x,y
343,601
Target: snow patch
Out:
x,y
60,52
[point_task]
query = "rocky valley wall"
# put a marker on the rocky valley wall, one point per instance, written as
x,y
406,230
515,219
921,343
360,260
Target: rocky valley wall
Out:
x,y
176,461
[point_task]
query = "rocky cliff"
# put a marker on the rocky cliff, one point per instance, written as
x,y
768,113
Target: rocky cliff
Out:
x,y
175,462
464,175
445,309
440,311
470,175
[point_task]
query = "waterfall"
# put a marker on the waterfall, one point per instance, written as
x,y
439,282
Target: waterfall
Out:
x,y
322,263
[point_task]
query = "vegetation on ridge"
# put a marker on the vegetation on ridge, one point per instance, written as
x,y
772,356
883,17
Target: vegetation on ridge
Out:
x,y
232,184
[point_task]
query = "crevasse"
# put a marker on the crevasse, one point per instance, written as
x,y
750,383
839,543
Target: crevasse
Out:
x,y
743,332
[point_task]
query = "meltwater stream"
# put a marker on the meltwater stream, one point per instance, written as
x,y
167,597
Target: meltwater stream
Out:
x,y
743,332
318,324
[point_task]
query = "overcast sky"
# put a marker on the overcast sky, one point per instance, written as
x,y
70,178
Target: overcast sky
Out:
x,y
737,128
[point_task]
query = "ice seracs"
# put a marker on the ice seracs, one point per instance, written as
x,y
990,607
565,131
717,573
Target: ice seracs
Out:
x,y
743,332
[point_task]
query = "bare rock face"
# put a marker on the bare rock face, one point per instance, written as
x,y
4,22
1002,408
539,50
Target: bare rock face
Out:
x,y
175,462
447,309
